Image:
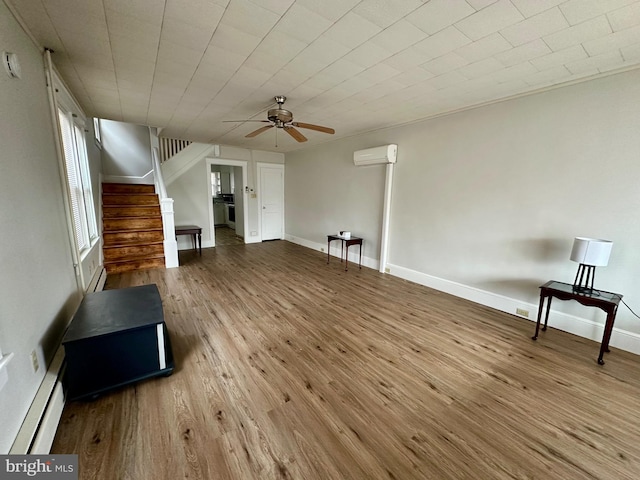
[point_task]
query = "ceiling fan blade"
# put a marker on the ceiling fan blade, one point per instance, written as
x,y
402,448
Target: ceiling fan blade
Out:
x,y
258,131
317,128
242,121
295,134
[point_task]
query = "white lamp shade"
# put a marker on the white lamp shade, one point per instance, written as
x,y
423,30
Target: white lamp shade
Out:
x,y
591,251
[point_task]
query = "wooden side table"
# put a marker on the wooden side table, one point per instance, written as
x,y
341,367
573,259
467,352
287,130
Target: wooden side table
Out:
x,y
607,301
345,242
194,231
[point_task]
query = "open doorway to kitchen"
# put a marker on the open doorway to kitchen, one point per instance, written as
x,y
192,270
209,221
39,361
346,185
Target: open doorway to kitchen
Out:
x,y
227,181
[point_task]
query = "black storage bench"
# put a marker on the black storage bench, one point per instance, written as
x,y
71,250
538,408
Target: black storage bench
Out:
x,y
116,337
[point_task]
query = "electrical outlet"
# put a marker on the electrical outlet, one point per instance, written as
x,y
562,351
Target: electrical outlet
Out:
x,y
254,234
387,270
34,361
322,249
253,195
523,312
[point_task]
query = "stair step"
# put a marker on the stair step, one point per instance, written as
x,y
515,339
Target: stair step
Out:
x,y
128,188
128,237
128,252
133,223
130,199
119,211
134,264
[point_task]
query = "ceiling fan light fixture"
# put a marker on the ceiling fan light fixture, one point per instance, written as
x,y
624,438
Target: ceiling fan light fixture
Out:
x,y
282,118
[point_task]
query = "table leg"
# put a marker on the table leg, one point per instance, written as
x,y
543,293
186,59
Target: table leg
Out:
x,y
328,249
535,336
546,316
346,259
342,250
360,263
200,243
606,336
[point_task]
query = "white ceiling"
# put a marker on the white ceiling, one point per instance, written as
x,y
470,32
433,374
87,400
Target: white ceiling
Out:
x,y
356,66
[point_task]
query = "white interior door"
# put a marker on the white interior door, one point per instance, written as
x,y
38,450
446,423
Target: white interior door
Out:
x,y
272,201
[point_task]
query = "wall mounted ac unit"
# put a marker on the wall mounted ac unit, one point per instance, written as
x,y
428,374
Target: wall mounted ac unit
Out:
x,y
376,155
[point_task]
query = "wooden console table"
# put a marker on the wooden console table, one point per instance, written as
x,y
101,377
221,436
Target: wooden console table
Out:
x,y
345,242
194,231
606,301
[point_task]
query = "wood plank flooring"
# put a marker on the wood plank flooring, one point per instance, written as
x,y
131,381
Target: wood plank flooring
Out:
x,y
289,368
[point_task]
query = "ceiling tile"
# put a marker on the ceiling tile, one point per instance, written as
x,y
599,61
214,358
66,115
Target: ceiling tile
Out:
x,y
276,6
625,17
613,41
367,55
442,42
398,36
413,76
520,71
406,59
386,12
550,76
439,14
480,4
631,53
352,30
329,9
535,27
529,8
481,68
485,47
577,11
181,33
234,40
445,63
196,13
249,18
447,80
594,28
150,11
302,24
593,64
528,51
491,19
562,57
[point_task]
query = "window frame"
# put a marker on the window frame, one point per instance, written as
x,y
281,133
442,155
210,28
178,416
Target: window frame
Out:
x,y
86,231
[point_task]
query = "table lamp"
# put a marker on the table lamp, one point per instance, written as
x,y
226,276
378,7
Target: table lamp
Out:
x,y
589,253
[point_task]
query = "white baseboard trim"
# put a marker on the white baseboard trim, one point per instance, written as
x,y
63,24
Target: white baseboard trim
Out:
x,y
39,427
354,254
621,339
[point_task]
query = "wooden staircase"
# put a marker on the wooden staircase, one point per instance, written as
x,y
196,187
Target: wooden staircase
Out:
x,y
131,227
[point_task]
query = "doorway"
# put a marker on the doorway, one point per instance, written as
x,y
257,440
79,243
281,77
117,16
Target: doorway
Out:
x,y
271,200
228,216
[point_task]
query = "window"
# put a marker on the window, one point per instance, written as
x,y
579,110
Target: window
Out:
x,y
77,167
216,187
97,135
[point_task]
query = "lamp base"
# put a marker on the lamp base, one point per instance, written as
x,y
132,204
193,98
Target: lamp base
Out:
x,y
582,283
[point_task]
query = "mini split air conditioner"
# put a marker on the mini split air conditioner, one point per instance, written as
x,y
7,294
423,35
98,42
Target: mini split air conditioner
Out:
x,y
376,155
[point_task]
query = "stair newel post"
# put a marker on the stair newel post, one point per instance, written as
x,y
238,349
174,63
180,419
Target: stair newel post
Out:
x,y
168,227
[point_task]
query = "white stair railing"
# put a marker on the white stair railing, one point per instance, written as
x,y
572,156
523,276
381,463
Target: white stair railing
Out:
x,y
170,146
166,209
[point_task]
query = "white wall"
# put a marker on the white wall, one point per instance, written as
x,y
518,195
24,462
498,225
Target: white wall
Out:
x,y
188,185
488,200
38,292
126,152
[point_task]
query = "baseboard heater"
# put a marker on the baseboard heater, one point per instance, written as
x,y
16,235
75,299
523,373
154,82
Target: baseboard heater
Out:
x,y
39,428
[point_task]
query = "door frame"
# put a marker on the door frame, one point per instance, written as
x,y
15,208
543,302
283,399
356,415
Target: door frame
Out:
x,y
260,167
209,161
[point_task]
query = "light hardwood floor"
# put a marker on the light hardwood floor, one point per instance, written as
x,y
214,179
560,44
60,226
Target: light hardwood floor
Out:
x,y
289,368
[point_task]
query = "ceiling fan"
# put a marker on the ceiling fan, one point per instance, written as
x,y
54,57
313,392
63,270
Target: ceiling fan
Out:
x,y
281,118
